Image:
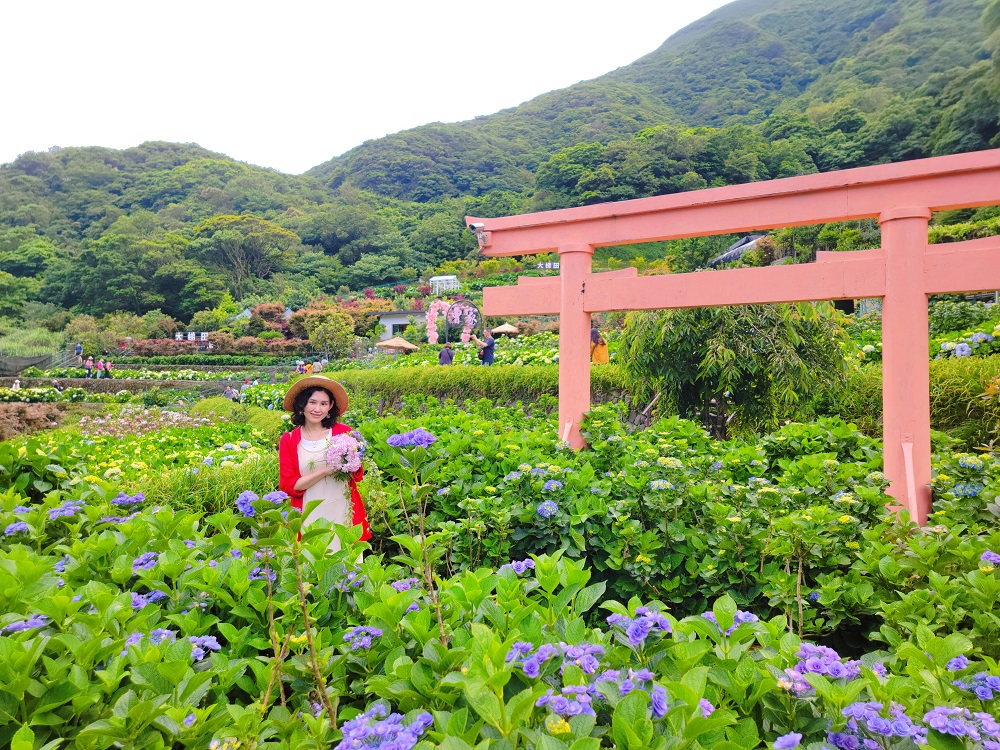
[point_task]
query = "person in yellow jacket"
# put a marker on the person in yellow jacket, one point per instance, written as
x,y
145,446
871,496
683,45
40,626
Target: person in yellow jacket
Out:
x,y
598,348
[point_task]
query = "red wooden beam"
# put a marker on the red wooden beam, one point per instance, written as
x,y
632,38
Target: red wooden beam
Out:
x,y
939,183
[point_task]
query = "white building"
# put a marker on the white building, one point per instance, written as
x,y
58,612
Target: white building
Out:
x,y
393,322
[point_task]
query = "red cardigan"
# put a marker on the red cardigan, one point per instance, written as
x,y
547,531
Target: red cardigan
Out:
x,y
289,474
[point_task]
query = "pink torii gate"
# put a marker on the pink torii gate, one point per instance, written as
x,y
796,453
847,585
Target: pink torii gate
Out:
x,y
902,272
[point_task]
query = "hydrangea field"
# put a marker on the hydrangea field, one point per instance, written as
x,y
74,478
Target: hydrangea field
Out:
x,y
657,590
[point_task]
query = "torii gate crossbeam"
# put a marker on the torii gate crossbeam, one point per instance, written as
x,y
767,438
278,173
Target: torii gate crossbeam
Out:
x,y
902,272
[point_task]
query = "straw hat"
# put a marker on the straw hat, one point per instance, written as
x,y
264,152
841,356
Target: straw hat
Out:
x,y
339,394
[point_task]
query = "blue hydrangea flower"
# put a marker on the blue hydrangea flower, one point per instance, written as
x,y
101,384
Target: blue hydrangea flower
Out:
x,y
963,350
361,636
660,484
552,485
277,497
547,509
203,645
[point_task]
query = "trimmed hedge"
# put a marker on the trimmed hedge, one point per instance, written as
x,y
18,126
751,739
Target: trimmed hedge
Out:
x,y
505,384
955,388
956,408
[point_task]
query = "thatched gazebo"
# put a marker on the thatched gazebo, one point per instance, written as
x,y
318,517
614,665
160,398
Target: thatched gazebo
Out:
x,y
506,329
397,343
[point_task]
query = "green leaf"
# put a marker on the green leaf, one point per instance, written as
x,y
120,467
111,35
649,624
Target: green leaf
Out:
x,y
944,741
23,739
589,597
629,713
484,702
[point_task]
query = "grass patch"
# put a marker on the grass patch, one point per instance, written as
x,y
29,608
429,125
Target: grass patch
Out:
x,y
208,489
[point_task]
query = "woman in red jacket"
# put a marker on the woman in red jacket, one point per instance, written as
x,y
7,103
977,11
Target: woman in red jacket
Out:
x,y
316,404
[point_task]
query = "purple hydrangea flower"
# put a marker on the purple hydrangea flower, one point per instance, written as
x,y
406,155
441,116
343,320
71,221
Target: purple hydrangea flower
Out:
x,y
405,584
18,527
20,510
552,485
519,566
162,635
418,438
123,500
277,497
739,618
189,720
982,685
658,701
388,734
66,510
145,561
957,664
350,581
638,629
260,573
990,557
35,621
787,741
244,503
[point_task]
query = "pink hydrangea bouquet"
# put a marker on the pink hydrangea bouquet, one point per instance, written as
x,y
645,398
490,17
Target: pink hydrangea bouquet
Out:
x,y
345,453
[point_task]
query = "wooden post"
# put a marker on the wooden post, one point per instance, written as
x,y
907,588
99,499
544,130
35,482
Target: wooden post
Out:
x,y
906,424
575,263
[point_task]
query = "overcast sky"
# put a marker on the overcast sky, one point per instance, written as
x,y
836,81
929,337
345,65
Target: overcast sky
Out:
x,y
291,84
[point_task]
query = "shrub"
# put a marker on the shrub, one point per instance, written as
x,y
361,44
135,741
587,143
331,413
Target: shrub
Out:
x,y
956,408
21,419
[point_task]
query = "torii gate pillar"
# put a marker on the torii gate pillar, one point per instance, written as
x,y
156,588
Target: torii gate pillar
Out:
x,y
575,262
905,371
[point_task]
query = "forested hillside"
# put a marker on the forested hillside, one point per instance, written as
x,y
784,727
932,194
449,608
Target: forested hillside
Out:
x,y
757,90
736,65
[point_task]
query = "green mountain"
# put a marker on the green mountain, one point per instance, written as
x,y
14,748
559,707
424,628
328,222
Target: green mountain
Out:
x,y
737,64
757,90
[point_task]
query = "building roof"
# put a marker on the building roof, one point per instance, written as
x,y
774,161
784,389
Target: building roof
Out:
x,y
735,251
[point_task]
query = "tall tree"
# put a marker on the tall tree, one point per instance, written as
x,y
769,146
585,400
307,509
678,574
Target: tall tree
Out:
x,y
243,248
754,360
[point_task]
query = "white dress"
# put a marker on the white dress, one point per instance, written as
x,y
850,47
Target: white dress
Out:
x,y
333,491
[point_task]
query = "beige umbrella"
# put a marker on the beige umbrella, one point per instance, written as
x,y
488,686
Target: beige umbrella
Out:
x,y
506,328
397,343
